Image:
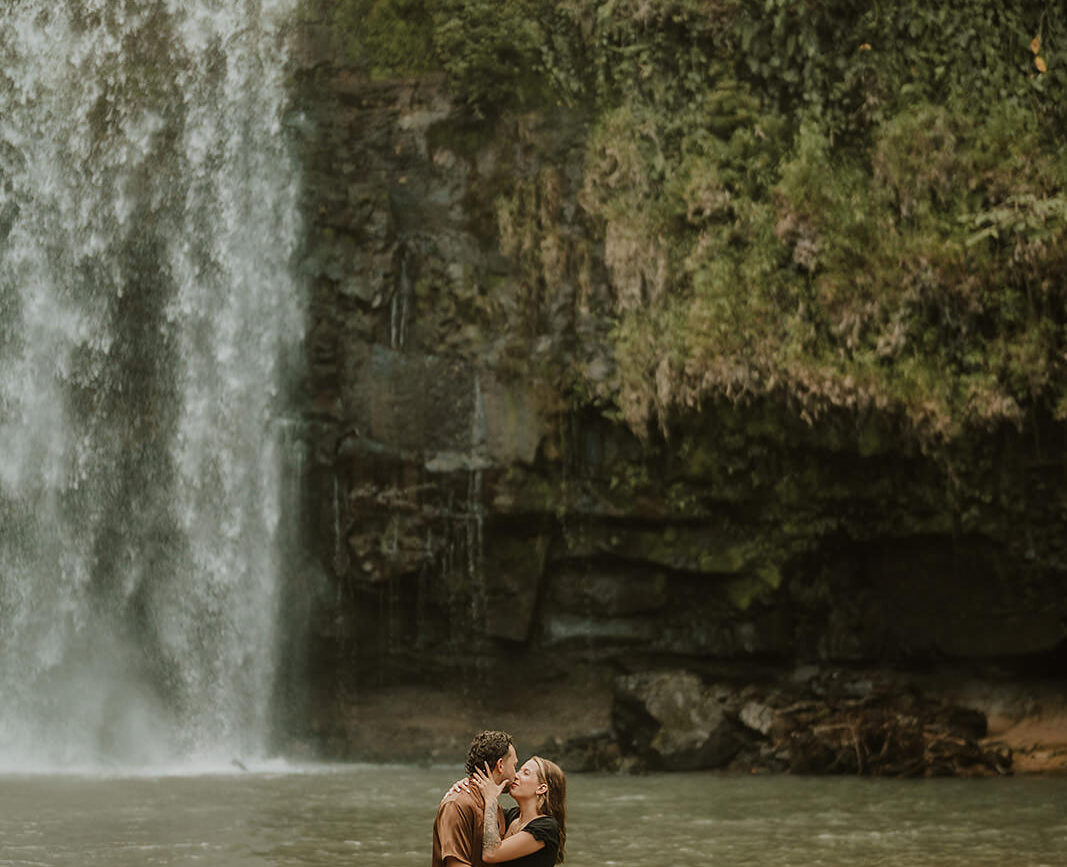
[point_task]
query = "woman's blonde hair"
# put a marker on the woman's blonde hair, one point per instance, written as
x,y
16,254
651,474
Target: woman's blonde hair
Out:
x,y
554,801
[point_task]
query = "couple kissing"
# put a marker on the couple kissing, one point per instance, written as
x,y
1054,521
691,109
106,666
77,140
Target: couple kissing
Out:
x,y
472,829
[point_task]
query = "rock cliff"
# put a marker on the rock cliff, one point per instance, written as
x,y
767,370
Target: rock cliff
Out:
x,y
487,527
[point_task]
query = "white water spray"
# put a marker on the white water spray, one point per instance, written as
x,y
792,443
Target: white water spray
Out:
x,y
147,221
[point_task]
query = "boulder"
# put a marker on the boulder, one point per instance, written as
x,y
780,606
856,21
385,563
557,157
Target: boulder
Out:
x,y
592,751
672,721
757,716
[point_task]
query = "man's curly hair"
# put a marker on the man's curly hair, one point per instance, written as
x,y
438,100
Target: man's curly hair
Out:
x,y
487,748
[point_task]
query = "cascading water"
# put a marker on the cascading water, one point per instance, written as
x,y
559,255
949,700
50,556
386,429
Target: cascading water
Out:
x,y
147,221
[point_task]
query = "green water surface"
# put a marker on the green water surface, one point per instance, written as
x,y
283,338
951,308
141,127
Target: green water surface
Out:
x,y
366,815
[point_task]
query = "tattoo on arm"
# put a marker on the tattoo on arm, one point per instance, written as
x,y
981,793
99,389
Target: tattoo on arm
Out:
x,y
490,829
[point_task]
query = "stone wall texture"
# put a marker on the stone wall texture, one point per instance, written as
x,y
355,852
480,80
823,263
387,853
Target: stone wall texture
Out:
x,y
474,506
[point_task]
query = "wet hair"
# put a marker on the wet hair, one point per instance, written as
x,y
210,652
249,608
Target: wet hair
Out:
x,y
487,748
554,801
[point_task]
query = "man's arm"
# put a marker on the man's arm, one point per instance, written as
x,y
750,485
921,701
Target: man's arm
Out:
x,y
490,827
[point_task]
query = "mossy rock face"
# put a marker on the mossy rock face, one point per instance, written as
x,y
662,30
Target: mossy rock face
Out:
x,y
668,361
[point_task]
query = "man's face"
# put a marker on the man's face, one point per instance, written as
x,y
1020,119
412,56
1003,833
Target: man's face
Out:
x,y
507,767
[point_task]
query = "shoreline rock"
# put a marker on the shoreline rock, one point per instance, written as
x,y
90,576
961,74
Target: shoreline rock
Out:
x,y
874,723
670,721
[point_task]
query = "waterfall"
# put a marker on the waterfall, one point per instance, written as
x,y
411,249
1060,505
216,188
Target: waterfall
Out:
x,y
148,317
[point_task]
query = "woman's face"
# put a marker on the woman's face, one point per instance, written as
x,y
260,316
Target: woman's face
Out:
x,y
526,781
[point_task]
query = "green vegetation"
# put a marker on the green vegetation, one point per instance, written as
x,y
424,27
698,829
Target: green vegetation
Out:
x,y
843,207
848,206
386,37
490,50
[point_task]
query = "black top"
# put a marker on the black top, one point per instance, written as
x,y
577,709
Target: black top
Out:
x,y
543,828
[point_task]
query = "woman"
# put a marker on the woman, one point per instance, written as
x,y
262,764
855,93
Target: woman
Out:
x,y
536,830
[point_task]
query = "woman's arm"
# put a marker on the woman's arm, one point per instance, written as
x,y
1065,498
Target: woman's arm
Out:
x,y
495,850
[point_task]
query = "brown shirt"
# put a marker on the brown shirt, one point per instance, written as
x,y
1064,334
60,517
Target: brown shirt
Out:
x,y
457,829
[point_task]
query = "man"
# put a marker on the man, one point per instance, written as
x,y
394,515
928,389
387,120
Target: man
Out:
x,y
457,830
